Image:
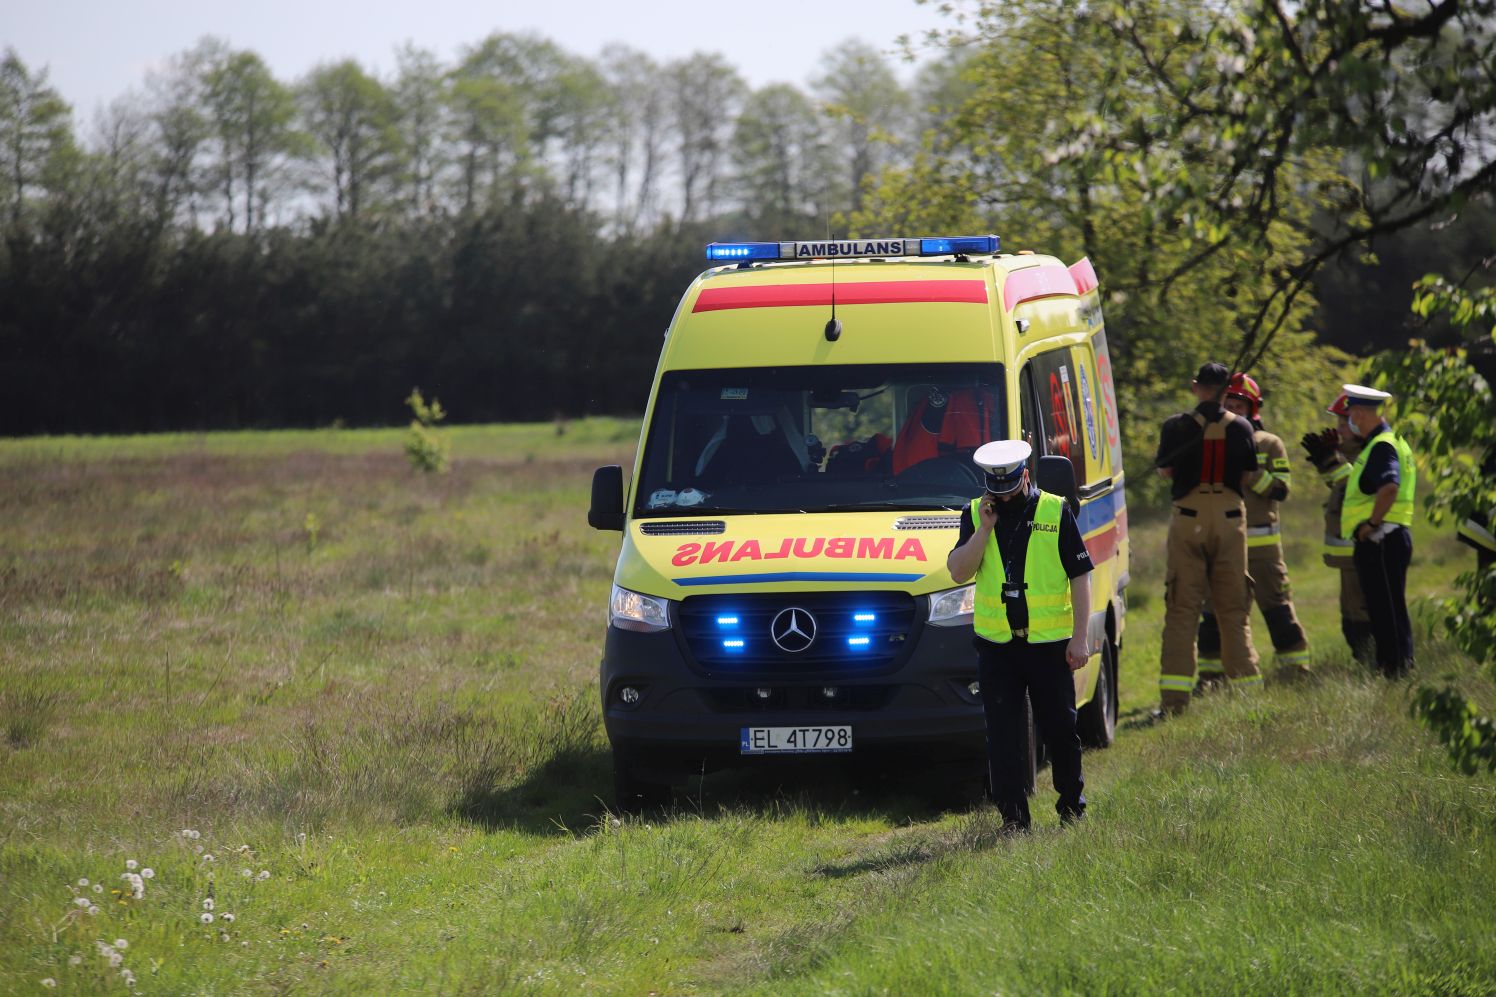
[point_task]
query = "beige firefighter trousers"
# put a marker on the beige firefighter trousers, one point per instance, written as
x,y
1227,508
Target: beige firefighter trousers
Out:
x,y
1207,559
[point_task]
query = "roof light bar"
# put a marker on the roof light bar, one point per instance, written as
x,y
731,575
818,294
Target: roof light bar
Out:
x,y
961,245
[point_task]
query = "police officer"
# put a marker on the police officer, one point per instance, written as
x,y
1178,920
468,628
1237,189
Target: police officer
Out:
x,y
1378,518
1033,603
1265,561
1332,452
1207,455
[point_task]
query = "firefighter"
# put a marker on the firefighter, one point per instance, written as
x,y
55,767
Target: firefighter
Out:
x,y
1033,604
1209,457
1378,518
1264,547
1332,452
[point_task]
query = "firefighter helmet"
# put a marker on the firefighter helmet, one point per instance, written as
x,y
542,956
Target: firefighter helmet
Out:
x,y
1243,387
1340,406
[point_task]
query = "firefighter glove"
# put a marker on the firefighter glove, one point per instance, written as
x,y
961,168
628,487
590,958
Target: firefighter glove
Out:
x,y
1322,448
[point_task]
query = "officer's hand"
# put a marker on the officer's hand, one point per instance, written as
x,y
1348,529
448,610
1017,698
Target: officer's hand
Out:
x,y
1077,653
988,511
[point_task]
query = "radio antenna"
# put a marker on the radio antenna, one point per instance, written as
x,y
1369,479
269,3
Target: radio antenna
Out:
x,y
833,327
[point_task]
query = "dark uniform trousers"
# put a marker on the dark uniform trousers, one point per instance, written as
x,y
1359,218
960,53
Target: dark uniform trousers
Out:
x,y
1005,671
1382,568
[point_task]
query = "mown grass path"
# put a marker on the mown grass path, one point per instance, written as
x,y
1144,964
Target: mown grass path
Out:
x,y
374,691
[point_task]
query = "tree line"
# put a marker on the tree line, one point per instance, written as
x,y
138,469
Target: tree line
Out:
x,y
510,230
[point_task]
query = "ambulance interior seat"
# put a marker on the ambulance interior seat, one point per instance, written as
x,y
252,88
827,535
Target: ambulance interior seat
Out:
x,y
940,424
749,449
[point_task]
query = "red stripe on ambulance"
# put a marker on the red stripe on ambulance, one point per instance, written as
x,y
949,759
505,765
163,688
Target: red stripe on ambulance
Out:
x,y
867,292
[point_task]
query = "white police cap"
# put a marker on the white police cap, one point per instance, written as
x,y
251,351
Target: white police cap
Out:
x,y
1360,394
1003,462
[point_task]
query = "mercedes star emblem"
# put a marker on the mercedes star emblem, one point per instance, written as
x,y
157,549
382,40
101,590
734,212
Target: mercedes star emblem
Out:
x,y
794,630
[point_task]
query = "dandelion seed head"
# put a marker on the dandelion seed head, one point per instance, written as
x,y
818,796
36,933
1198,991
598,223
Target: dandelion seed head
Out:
x,y
82,902
98,887
198,849
223,936
120,943
82,882
209,857
76,960
148,874
208,904
115,959
227,917
131,864
246,873
206,918
264,874
93,912
49,983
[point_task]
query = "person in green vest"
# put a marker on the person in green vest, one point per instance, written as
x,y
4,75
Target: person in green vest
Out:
x,y
1378,517
1032,608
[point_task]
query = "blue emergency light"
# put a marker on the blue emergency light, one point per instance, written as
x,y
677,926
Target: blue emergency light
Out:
x,y
838,249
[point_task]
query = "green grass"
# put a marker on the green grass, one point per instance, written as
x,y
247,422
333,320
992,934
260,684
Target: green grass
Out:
x,y
394,716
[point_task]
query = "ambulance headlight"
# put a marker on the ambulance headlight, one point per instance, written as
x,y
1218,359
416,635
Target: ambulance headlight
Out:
x,y
635,611
953,607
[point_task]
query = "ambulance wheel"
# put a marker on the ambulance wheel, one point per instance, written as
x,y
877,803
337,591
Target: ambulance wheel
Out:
x,y
1097,723
632,794
1031,748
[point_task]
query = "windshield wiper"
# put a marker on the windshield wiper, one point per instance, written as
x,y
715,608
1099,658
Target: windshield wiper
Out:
x,y
888,507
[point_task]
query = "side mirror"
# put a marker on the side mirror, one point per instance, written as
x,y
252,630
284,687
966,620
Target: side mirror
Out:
x,y
606,512
1057,476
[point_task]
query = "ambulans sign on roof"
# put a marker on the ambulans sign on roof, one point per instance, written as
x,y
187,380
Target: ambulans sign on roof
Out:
x,y
835,249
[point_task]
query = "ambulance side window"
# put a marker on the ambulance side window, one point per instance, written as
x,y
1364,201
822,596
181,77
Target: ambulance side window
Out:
x,y
1053,386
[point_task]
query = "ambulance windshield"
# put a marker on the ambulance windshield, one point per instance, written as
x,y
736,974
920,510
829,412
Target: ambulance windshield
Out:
x,y
814,439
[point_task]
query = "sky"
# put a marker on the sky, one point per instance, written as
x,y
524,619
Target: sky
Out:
x,y
96,50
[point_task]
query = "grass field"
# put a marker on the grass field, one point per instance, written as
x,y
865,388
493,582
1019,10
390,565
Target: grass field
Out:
x,y
370,695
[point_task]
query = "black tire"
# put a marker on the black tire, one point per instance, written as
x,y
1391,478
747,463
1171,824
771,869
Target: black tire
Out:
x,y
632,794
1097,722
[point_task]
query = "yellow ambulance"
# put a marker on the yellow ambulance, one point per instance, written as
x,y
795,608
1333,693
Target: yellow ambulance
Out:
x,y
804,462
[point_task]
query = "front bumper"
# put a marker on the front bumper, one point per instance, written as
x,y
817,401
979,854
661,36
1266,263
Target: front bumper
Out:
x,y
686,717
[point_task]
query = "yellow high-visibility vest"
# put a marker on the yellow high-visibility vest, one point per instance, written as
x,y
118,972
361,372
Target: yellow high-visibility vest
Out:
x,y
1048,591
1358,504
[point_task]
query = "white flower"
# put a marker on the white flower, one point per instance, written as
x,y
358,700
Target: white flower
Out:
x,y
208,857
82,882
120,943
115,959
206,919
208,904
131,864
93,911
148,874
81,901
264,874
49,983
229,918
76,960
246,873
104,947
98,887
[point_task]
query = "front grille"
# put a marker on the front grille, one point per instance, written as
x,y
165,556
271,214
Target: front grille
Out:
x,y
844,645
952,522
684,528
808,698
